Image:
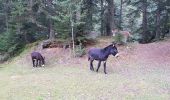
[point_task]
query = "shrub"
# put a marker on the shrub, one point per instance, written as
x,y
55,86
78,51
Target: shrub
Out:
x,y
118,38
137,37
79,50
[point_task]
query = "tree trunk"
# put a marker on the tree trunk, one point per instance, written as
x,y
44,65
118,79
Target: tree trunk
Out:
x,y
6,21
110,25
72,33
120,20
51,30
166,25
102,18
89,22
6,16
158,30
144,20
30,11
25,37
78,16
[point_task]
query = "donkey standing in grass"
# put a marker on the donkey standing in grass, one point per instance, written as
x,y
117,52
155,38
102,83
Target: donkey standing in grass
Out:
x,y
101,55
37,59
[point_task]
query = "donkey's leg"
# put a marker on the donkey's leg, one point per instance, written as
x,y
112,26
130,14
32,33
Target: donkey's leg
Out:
x,y
36,62
91,65
105,67
33,62
98,66
40,63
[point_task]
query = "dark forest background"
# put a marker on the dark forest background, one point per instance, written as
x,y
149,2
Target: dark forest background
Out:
x,y
26,21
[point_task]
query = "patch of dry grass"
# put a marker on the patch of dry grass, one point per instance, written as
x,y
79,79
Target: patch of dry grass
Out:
x,y
78,83
127,79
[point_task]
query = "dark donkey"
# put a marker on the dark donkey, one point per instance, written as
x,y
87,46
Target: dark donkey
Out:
x,y
37,59
101,55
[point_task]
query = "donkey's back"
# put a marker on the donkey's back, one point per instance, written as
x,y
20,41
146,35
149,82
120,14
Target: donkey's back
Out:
x,y
37,58
36,55
95,54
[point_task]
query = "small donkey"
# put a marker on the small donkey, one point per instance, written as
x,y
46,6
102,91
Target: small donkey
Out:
x,y
37,59
101,55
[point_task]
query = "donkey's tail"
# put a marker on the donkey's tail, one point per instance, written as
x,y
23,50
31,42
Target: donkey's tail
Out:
x,y
88,58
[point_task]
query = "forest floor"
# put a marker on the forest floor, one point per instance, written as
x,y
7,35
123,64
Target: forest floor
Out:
x,y
142,72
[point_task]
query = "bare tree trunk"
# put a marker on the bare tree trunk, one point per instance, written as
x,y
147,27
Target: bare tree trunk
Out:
x,y
166,27
73,18
158,30
25,37
89,22
144,20
51,30
120,20
78,16
72,33
110,24
30,5
6,16
6,21
102,18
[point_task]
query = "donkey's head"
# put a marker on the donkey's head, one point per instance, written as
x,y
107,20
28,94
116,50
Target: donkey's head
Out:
x,y
113,49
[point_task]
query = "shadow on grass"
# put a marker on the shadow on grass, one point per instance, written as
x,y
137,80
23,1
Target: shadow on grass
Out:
x,y
1,67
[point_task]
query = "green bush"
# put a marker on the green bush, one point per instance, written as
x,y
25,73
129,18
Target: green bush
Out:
x,y
79,50
118,38
137,37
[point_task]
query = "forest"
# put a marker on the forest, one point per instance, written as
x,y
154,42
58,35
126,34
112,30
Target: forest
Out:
x,y
27,21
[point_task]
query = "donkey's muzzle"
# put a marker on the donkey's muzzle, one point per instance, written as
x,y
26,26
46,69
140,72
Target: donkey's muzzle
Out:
x,y
117,55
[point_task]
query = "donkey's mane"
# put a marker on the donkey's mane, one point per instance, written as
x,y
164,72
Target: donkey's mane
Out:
x,y
104,49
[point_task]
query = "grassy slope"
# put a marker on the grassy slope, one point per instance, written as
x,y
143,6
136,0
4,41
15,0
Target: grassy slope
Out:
x,y
128,81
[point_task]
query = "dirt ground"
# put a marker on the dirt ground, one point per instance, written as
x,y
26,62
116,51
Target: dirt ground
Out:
x,y
142,72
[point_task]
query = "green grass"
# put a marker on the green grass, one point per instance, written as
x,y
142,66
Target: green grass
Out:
x,y
75,83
